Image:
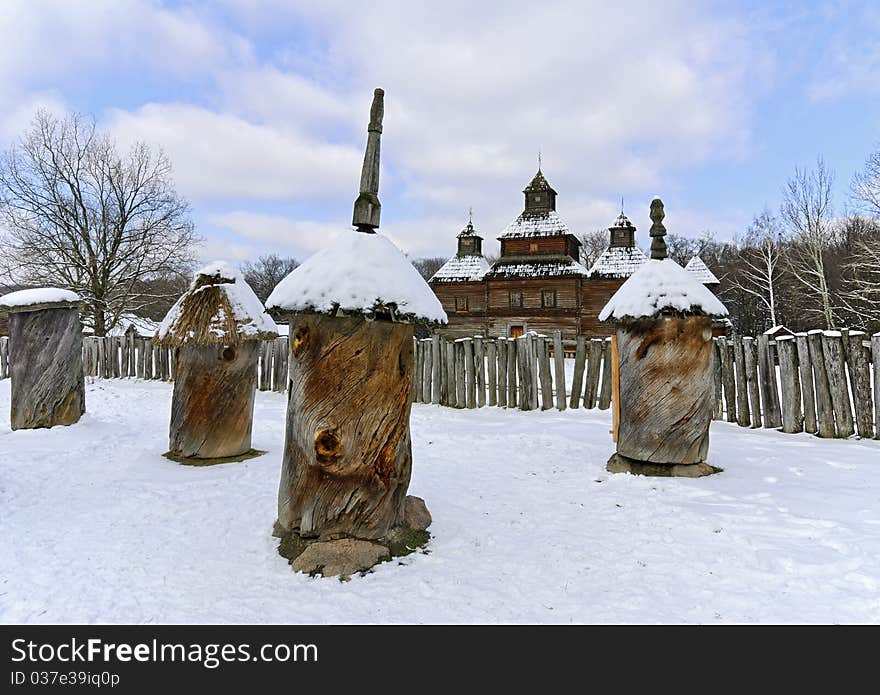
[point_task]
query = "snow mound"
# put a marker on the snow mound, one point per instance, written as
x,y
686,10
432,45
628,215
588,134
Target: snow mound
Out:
x,y
234,312
358,273
40,295
661,286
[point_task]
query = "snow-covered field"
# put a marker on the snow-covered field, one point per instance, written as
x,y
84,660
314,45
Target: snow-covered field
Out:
x,y
96,526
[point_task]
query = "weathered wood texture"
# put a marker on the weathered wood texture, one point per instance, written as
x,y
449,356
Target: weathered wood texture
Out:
x,y
480,370
577,382
212,407
559,369
860,376
805,373
743,409
792,419
492,376
750,362
875,351
45,367
728,379
666,391
347,452
835,366
544,373
824,404
605,389
594,362
768,384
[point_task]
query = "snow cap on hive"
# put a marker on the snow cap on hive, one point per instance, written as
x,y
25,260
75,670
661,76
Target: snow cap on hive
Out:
x,y
361,272
38,299
358,274
661,286
219,308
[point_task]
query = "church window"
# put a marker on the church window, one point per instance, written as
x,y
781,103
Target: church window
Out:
x,y
461,303
516,299
548,298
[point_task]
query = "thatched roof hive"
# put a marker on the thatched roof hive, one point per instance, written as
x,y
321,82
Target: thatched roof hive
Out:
x,y
219,308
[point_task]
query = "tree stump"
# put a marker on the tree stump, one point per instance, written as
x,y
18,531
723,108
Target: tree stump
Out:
x,y
666,394
347,453
45,366
212,407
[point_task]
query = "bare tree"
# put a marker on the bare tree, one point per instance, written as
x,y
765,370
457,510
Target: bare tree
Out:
x,y
807,211
593,245
428,266
760,262
266,272
866,184
80,216
861,271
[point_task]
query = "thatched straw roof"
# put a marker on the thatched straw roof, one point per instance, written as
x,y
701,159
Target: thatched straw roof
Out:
x,y
219,308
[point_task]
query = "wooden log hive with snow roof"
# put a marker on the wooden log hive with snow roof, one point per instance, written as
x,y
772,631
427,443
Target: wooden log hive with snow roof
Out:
x,y
342,504
45,355
663,358
215,327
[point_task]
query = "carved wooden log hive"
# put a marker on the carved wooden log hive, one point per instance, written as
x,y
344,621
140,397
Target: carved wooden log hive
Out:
x,y
215,329
347,452
664,385
45,366
666,389
342,502
212,407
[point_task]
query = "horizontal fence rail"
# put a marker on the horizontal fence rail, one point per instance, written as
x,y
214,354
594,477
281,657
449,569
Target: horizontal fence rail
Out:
x,y
822,382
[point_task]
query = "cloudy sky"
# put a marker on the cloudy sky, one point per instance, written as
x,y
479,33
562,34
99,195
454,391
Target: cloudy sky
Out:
x,y
262,106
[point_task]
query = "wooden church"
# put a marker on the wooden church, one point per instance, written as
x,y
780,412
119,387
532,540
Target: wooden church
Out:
x,y
538,283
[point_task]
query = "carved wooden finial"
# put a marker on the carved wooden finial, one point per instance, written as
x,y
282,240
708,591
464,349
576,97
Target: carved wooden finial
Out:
x,y
367,208
658,231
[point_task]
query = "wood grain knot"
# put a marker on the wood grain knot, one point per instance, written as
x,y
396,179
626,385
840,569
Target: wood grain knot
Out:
x,y
300,336
227,354
328,446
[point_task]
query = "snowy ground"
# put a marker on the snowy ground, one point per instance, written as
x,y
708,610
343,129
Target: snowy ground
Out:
x,y
528,527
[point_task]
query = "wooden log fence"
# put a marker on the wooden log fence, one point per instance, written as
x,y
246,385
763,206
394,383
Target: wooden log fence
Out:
x,y
825,383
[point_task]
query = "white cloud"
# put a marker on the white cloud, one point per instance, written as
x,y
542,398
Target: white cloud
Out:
x,y
219,155
267,233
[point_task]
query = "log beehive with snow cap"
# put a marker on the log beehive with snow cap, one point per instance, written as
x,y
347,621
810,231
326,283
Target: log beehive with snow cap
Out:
x,y
215,328
663,390
45,355
347,452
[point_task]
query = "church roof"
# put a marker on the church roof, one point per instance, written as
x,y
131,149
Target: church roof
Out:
x,y
547,223
618,262
468,231
622,222
701,271
539,183
470,268
551,267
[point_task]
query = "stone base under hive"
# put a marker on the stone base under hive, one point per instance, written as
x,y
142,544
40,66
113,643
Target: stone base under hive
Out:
x,y
622,464
344,556
250,454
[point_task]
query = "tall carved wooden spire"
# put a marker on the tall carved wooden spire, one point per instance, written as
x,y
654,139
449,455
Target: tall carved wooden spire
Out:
x,y
658,231
367,207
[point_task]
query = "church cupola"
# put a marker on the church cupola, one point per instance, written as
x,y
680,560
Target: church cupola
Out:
x,y
540,196
623,232
469,242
